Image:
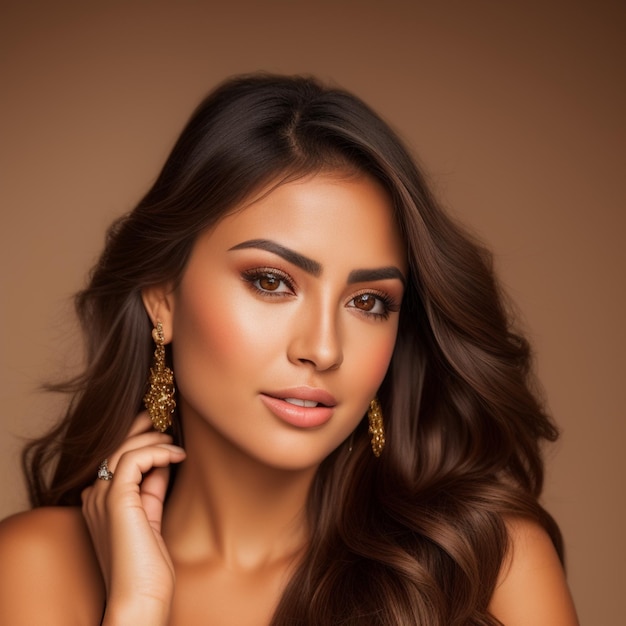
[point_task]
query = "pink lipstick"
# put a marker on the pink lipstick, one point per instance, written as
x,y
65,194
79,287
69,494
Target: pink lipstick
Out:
x,y
303,407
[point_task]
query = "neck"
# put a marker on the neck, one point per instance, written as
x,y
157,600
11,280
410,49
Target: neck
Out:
x,y
229,508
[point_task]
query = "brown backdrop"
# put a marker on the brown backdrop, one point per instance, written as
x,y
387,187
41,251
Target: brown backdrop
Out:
x,y
515,108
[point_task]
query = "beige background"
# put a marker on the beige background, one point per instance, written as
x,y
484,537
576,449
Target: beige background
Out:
x,y
515,108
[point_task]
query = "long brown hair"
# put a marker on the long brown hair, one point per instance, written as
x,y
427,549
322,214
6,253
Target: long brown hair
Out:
x,y
417,536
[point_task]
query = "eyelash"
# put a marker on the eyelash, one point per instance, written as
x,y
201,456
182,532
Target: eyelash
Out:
x,y
253,276
389,304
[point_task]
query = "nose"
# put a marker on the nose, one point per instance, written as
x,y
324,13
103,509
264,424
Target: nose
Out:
x,y
316,338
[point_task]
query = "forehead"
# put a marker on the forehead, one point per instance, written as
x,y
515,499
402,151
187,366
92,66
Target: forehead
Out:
x,y
323,216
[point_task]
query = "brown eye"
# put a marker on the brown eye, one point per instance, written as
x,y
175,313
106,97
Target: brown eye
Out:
x,y
365,302
268,282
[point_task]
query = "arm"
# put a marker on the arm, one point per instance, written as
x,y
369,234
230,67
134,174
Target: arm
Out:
x,y
532,589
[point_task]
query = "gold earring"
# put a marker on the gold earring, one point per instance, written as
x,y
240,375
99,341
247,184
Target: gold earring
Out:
x,y
159,398
376,429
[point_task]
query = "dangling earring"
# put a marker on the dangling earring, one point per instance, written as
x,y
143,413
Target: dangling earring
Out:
x,y
159,399
376,429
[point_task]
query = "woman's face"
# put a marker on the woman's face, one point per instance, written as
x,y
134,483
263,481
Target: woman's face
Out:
x,y
285,320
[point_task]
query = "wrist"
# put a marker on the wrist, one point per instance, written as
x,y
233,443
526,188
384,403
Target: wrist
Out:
x,y
139,611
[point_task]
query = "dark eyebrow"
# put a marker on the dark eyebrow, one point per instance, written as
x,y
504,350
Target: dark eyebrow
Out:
x,y
308,265
313,267
380,273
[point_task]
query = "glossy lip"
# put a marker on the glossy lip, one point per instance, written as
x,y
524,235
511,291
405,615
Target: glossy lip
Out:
x,y
302,417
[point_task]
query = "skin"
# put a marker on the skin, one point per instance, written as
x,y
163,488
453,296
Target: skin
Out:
x,y
295,293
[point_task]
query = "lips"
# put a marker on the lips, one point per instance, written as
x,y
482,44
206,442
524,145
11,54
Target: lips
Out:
x,y
303,407
303,396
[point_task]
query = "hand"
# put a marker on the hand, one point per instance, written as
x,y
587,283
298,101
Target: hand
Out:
x,y
124,519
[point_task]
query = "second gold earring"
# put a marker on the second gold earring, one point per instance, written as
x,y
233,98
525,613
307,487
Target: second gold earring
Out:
x,y
376,428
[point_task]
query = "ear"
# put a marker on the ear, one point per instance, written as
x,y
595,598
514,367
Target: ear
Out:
x,y
159,303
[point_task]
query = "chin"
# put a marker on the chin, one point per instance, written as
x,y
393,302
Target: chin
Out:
x,y
295,458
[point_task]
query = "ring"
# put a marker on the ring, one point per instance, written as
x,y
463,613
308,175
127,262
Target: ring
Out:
x,y
103,471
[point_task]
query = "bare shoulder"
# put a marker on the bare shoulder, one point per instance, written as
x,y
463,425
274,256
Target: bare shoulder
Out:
x,y
532,588
48,570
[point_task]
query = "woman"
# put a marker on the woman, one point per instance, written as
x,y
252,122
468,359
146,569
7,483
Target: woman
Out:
x,y
350,437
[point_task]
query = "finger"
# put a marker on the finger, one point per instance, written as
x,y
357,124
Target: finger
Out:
x,y
153,489
155,483
140,440
135,463
85,494
94,498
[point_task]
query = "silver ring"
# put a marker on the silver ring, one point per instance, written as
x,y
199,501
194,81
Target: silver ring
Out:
x,y
103,471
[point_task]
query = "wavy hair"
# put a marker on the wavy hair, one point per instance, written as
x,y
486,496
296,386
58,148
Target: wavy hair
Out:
x,y
419,535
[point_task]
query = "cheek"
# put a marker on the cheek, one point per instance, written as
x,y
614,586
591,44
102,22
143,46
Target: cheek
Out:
x,y
370,359
381,355
218,333
380,358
